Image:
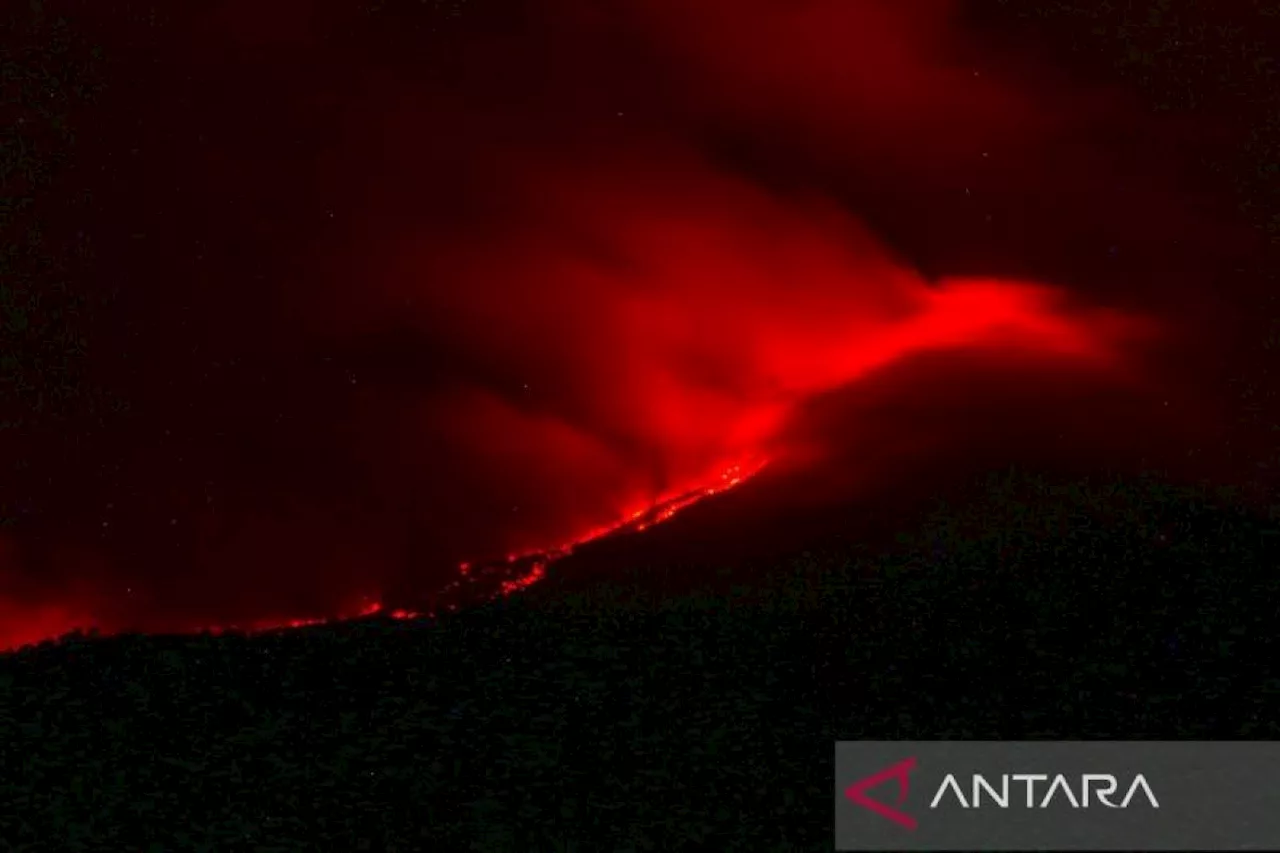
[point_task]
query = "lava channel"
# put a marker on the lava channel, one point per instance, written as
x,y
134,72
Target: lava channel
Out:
x,y
477,581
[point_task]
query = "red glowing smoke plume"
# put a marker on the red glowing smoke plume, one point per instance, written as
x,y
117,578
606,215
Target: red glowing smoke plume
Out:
x,y
404,290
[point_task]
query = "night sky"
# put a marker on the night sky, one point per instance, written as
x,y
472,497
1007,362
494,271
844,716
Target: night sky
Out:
x,y
308,301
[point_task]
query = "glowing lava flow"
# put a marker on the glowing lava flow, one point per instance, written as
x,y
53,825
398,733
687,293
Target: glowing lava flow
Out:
x,y
521,570
487,579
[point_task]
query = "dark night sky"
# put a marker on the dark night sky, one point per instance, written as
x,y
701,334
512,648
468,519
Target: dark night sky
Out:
x,y
307,301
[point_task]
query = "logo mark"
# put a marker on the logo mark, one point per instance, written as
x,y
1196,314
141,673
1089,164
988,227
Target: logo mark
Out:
x,y
857,792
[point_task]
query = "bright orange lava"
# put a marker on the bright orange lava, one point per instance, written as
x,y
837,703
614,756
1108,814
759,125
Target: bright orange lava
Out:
x,y
504,576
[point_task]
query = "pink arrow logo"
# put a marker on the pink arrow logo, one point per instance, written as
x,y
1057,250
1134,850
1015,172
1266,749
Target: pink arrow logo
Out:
x,y
857,792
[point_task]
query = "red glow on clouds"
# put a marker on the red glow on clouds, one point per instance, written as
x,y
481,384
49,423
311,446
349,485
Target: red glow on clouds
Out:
x,y
540,284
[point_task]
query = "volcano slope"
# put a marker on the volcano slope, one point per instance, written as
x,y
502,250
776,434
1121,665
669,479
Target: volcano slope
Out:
x,y
682,682
625,713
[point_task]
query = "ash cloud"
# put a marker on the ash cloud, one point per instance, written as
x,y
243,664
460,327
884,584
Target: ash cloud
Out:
x,y
390,288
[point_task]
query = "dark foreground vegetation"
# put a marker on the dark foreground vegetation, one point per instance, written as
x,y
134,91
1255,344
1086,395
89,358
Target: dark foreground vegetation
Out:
x,y
610,720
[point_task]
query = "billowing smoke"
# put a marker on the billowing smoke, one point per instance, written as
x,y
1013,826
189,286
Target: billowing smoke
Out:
x,y
378,290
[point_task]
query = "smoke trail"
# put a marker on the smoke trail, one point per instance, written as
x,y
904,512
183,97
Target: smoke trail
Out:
x,y
401,289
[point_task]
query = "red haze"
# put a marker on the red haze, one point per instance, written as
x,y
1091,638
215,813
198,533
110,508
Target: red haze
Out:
x,y
401,289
